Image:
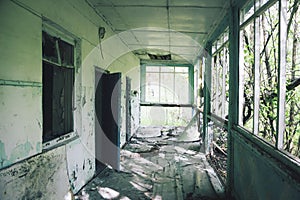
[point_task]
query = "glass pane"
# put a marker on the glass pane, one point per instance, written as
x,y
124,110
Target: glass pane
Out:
x,y
152,69
220,85
152,87
182,69
247,11
260,3
167,88
268,73
167,69
226,82
247,76
66,53
49,48
182,88
58,85
214,84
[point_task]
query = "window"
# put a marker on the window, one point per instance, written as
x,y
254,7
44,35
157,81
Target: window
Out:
x,y
246,75
220,86
58,85
269,72
167,84
167,94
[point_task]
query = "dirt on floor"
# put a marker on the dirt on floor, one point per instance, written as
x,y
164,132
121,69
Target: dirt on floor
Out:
x,y
158,163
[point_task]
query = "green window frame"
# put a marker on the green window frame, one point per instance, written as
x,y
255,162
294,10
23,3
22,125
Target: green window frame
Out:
x,y
167,76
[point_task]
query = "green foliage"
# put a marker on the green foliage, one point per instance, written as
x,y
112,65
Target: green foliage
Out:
x,y
269,51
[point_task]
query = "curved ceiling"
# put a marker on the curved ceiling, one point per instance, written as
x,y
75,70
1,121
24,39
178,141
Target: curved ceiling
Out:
x,y
163,27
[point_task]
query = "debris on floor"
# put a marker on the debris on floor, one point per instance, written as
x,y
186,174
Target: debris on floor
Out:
x,y
158,164
218,157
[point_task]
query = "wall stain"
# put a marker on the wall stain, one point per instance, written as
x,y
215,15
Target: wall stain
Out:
x,y
38,147
83,101
33,178
3,156
20,151
90,163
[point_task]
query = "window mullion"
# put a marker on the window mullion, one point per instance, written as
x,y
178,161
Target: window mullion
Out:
x,y
159,87
281,73
241,78
174,93
224,70
58,52
256,75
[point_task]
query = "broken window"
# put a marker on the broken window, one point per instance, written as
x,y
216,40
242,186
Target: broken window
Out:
x,y
220,86
58,85
269,72
246,75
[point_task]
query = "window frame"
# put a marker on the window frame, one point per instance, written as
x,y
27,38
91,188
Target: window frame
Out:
x,y
143,83
56,31
276,150
221,45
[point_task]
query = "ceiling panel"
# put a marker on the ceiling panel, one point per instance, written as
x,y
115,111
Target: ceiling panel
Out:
x,y
185,50
133,3
180,39
98,2
128,37
113,17
192,19
147,23
202,3
143,17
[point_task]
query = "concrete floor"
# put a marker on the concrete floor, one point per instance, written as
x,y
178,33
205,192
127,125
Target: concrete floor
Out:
x,y
158,163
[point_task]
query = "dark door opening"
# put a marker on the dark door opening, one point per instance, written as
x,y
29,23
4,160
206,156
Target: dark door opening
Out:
x,y
128,109
107,119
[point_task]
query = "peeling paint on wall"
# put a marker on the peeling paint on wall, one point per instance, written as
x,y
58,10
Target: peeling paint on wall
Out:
x,y
20,128
81,164
19,152
40,177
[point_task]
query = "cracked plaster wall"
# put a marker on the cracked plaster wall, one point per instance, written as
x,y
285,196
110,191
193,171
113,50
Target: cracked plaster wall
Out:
x,y
41,177
21,106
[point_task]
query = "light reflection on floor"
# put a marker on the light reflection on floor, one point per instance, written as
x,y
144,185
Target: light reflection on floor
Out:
x,y
160,165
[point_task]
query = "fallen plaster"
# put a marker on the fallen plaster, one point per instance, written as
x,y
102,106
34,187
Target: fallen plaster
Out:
x,y
158,167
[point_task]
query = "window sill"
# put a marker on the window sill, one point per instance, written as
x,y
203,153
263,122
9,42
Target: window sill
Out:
x,y
283,159
60,141
165,104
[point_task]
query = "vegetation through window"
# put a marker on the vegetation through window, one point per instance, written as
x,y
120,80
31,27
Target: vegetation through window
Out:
x,y
263,76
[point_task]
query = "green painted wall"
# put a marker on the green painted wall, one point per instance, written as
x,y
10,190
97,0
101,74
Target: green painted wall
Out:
x,y
258,176
21,65
20,60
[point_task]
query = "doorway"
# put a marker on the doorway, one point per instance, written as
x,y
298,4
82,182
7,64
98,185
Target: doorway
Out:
x,y
107,119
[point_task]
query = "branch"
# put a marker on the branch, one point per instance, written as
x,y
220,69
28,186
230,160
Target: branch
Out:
x,y
295,9
289,87
293,84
